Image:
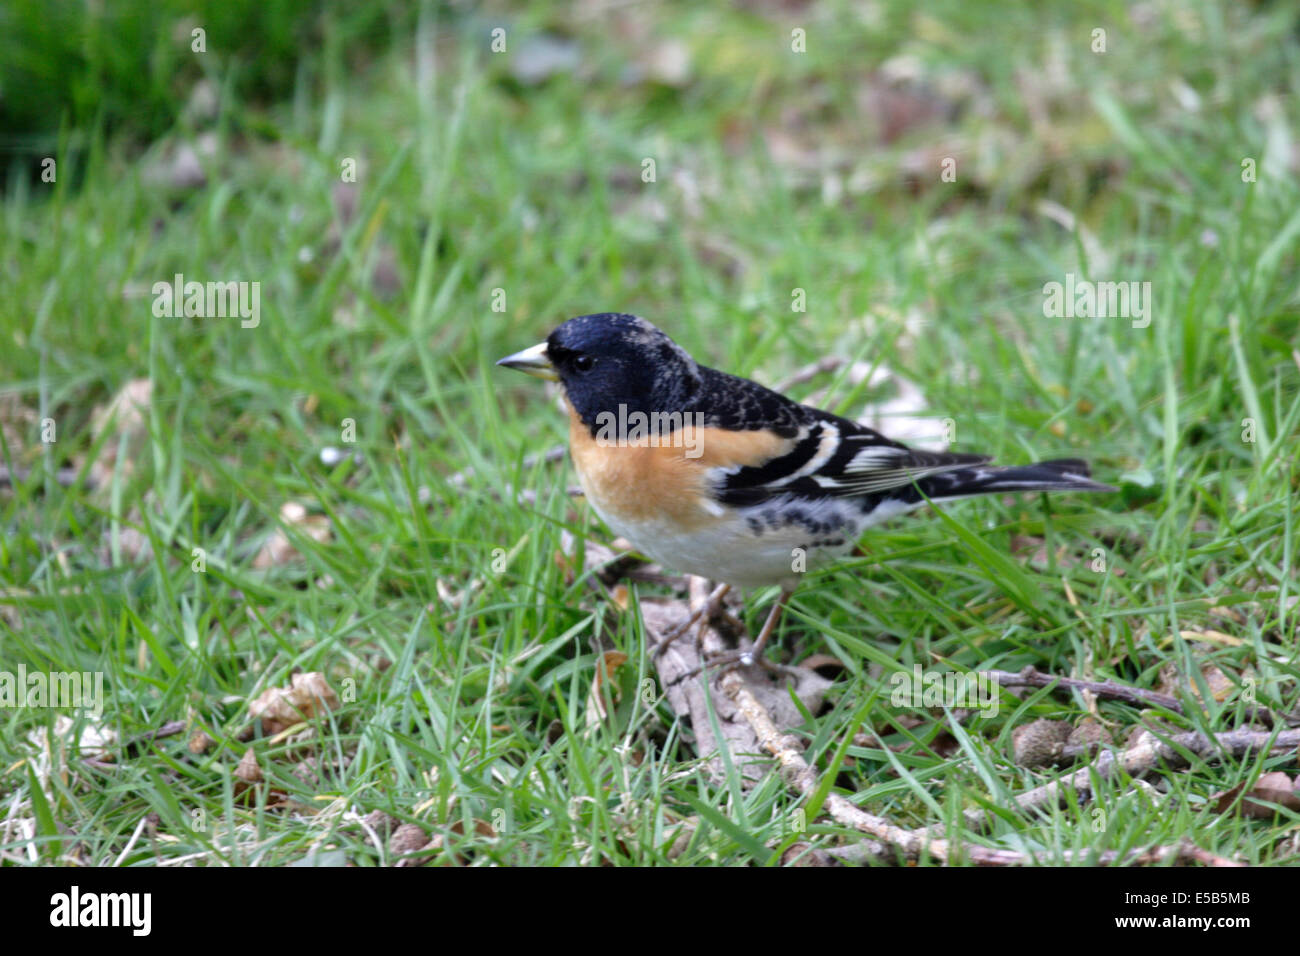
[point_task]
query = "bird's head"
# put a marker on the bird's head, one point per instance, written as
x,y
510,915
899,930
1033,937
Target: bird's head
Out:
x,y
610,359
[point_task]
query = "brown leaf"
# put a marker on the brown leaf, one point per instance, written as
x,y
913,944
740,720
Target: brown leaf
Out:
x,y
1276,787
281,707
828,665
620,596
422,855
610,662
248,770
308,771
481,827
1221,686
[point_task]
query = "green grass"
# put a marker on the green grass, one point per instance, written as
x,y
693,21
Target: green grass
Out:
x,y
771,175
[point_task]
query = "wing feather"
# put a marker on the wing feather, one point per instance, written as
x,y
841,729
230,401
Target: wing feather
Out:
x,y
834,457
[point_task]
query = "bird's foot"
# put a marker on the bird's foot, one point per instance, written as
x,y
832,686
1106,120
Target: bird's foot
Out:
x,y
706,612
724,662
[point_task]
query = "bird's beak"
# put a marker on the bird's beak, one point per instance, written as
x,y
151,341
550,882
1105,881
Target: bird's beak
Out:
x,y
533,361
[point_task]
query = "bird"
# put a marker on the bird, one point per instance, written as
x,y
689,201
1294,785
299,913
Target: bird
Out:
x,y
715,475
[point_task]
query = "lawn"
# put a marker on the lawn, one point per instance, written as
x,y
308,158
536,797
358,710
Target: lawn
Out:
x,y
200,508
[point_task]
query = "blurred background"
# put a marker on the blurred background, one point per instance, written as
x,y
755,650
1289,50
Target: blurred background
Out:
x,y
797,145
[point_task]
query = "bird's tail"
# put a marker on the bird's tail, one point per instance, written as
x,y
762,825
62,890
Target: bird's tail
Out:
x,y
1062,474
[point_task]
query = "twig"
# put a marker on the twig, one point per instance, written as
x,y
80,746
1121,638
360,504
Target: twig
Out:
x,y
1109,690
133,747
1149,752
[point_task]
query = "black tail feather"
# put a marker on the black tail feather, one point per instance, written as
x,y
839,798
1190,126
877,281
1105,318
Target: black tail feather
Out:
x,y
1061,474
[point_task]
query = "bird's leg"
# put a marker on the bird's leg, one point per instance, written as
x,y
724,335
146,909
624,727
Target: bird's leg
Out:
x,y
706,610
773,616
738,658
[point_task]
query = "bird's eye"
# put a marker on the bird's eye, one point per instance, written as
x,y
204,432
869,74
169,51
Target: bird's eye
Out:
x,y
583,363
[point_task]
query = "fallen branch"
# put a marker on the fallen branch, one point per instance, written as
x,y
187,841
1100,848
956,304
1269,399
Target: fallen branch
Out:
x,y
1106,690
1149,753
1109,690
914,844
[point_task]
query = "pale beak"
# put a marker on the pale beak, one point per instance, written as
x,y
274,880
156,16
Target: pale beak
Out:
x,y
533,361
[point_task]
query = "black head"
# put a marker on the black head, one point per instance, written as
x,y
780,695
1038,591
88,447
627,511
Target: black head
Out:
x,y
612,359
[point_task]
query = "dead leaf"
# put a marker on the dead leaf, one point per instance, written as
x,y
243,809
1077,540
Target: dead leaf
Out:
x,y
606,671
308,771
827,665
687,696
94,741
481,827
944,745
407,837
281,707
381,822
248,770
619,596
1276,787
1221,686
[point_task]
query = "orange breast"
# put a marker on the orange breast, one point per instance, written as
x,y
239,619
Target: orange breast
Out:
x,y
664,476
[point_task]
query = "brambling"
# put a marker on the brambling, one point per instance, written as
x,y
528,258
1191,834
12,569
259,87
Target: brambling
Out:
x,y
715,475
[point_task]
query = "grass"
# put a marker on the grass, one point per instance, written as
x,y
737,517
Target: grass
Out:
x,y
770,176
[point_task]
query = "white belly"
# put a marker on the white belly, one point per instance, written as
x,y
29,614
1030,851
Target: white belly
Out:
x,y
732,550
